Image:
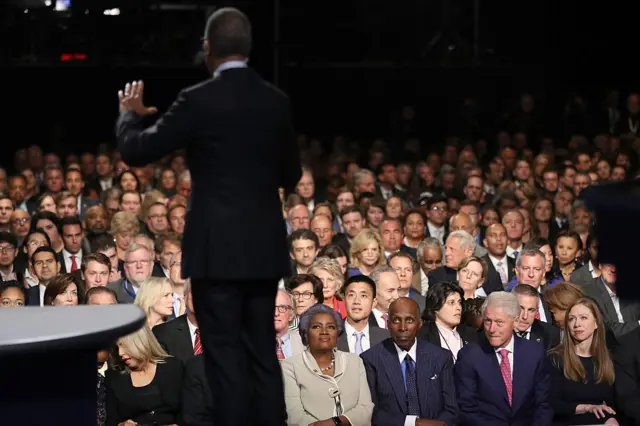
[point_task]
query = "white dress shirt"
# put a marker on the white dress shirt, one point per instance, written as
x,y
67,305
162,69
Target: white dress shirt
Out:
x,y
543,316
616,302
42,290
31,280
424,282
450,340
509,347
592,270
66,256
436,232
504,267
402,354
381,322
351,339
192,332
510,250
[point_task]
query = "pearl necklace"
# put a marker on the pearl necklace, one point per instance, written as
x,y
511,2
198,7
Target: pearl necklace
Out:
x,y
330,366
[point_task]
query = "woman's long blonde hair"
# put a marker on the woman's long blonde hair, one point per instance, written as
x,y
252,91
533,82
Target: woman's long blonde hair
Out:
x,y
360,243
566,351
143,346
151,290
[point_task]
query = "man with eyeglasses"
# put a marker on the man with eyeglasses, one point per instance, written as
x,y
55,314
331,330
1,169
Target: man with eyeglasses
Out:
x,y
288,343
138,263
20,224
156,219
46,265
8,254
437,218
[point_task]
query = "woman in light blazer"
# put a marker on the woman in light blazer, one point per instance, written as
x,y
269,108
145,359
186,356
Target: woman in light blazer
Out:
x,y
324,386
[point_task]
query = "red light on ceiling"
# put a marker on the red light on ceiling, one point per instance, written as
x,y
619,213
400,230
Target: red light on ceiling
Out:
x,y
65,57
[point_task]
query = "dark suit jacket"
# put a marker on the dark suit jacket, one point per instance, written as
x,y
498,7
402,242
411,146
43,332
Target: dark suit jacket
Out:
x,y
122,295
235,127
197,401
418,298
376,335
482,395
582,276
85,204
494,283
429,332
627,383
434,374
373,322
157,270
174,337
443,273
33,296
630,309
545,333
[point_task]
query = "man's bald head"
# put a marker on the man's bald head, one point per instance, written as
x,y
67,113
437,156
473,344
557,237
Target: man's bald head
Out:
x,y
461,222
404,305
404,322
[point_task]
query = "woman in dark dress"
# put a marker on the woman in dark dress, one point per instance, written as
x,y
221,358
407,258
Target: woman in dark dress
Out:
x,y
442,318
583,374
147,391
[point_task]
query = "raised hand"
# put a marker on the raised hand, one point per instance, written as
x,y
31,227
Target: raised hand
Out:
x,y
131,99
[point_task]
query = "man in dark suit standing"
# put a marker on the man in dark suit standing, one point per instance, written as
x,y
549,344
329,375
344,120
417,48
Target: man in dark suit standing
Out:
x,y
361,332
485,371
238,136
411,380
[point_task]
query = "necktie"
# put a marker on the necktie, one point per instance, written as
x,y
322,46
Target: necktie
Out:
x,y
197,346
522,334
505,369
538,315
515,254
359,336
413,407
385,317
503,275
74,264
279,351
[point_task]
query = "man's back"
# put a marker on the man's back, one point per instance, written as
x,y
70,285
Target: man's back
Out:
x,y
240,147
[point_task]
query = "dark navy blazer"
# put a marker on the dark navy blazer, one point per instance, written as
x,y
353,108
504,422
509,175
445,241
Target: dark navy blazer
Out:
x,y
434,374
482,394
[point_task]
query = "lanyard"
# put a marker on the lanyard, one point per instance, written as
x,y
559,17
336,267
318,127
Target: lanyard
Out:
x,y
129,292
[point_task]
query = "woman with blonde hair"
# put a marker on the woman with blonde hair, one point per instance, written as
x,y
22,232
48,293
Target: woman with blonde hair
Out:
x,y
472,274
366,253
583,374
124,226
155,298
330,273
145,388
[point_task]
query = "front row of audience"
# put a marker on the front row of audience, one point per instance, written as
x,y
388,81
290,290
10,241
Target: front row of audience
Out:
x,y
432,370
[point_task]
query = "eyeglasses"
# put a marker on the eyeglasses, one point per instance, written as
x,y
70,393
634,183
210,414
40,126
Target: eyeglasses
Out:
x,y
35,244
438,209
283,308
7,249
20,221
303,296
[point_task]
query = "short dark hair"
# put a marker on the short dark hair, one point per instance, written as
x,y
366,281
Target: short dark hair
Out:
x,y
44,249
103,242
95,257
58,285
228,33
300,279
8,237
437,296
525,290
537,243
44,215
70,221
333,251
302,234
351,209
36,231
98,290
5,285
167,237
359,279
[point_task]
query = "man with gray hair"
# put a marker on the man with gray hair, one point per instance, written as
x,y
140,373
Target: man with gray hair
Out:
x,y
459,246
387,286
430,256
364,181
530,267
138,262
484,372
288,342
209,121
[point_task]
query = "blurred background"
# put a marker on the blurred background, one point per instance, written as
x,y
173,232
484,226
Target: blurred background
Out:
x,y
348,65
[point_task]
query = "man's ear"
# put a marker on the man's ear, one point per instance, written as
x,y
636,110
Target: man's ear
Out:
x,y
206,48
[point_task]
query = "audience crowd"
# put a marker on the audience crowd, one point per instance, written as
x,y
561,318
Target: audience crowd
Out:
x,y
457,286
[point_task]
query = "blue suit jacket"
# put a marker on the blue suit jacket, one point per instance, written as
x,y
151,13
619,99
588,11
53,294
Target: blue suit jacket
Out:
x,y
434,374
482,395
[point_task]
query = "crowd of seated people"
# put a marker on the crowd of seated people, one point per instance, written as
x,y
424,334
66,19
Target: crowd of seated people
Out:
x,y
453,287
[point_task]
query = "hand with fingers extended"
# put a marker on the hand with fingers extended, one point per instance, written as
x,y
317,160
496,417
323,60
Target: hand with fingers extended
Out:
x,y
131,99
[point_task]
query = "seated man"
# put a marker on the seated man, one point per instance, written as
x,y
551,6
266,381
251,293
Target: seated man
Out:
x,y
411,380
484,372
528,325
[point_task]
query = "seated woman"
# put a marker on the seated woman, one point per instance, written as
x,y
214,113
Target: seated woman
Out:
x,y
559,298
583,374
155,298
328,270
334,251
472,273
62,291
442,318
145,385
323,384
12,295
366,253
306,290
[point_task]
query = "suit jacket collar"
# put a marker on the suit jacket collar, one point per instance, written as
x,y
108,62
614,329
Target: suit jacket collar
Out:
x,y
393,371
492,367
312,365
